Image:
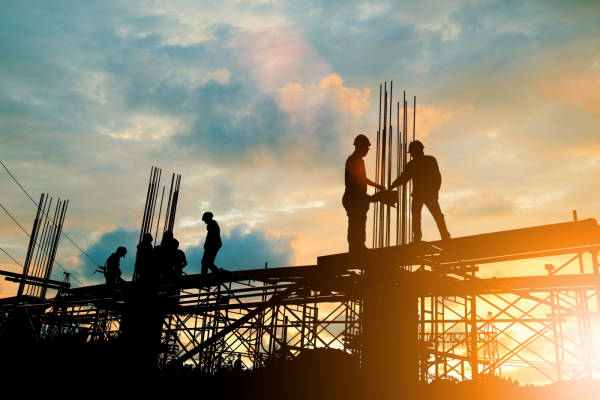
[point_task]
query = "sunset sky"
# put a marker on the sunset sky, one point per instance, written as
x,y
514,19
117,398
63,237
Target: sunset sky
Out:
x,y
256,105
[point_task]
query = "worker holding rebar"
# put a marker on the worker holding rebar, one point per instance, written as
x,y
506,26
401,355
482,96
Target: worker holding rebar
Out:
x,y
212,244
356,201
425,174
111,269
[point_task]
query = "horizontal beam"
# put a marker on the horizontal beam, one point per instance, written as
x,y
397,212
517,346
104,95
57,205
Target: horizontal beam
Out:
x,y
33,283
30,279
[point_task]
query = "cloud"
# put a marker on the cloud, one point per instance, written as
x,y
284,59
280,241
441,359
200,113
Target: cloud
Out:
x,y
246,248
275,56
483,205
293,97
243,248
104,247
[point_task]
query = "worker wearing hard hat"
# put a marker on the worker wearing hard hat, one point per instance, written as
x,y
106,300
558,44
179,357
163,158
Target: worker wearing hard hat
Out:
x,y
212,244
111,269
356,201
427,180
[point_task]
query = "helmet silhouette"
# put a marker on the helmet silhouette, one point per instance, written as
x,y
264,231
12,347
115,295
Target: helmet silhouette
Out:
x,y
122,251
415,146
362,140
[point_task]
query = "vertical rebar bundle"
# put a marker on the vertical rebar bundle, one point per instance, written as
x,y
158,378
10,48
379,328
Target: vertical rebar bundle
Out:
x,y
43,244
384,225
150,207
172,205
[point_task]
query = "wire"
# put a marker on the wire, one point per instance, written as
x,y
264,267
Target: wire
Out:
x,y
63,233
27,233
54,261
11,257
14,220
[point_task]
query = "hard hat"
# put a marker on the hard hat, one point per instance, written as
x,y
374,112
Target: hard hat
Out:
x,y
415,145
122,250
362,140
207,215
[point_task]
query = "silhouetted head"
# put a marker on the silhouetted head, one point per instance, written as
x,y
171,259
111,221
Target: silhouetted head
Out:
x,y
415,149
147,238
121,251
167,237
175,243
207,217
361,145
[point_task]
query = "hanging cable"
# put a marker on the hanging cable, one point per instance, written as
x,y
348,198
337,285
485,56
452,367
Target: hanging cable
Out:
x,y
64,234
11,257
27,233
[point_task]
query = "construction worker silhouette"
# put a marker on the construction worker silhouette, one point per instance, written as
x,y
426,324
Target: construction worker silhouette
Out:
x,y
162,257
238,365
427,180
143,257
356,201
212,243
112,272
179,260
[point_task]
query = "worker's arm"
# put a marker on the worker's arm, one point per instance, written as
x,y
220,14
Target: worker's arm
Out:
x,y
375,185
402,179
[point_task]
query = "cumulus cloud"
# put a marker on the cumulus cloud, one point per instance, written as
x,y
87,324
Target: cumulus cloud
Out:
x,y
246,248
483,205
103,248
243,248
293,97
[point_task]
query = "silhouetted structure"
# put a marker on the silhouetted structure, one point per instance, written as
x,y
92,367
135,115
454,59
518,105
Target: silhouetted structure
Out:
x,y
356,201
425,174
212,244
403,315
43,244
148,219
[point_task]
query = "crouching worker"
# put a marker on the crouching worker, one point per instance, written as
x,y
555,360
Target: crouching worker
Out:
x,y
111,269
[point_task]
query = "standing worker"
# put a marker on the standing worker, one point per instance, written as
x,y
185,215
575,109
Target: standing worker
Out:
x,y
143,257
212,243
427,180
356,201
179,260
162,256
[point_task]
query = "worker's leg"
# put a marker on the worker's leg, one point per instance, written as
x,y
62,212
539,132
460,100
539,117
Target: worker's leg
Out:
x,y
357,224
415,210
206,261
435,210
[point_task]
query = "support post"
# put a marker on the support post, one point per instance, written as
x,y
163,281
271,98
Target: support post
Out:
x,y
474,363
390,333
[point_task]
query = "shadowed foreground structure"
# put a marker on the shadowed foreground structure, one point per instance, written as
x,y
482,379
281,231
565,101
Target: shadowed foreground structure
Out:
x,y
398,316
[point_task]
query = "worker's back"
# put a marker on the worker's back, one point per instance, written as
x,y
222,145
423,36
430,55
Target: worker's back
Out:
x,y
113,263
355,175
213,238
426,177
